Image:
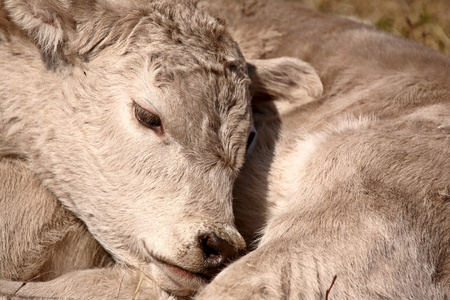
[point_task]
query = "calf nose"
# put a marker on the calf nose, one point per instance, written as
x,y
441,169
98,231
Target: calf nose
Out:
x,y
216,251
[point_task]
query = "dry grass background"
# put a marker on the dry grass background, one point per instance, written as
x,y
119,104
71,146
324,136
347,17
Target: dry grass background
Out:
x,y
426,21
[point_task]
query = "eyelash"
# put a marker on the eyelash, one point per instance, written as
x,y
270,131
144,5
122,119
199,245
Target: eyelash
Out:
x,y
148,119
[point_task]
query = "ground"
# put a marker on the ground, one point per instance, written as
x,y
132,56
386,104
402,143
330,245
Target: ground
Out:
x,y
426,21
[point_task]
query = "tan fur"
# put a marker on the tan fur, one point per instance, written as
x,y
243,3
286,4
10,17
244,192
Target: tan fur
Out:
x,y
72,73
80,175
351,180
354,184
37,232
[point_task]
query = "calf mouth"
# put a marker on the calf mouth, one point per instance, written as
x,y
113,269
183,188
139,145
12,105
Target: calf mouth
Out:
x,y
183,278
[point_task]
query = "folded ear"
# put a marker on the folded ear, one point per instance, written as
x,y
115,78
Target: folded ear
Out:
x,y
64,30
284,78
46,22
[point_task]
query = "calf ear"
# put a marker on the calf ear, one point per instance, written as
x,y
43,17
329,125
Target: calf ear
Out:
x,y
47,23
69,30
284,78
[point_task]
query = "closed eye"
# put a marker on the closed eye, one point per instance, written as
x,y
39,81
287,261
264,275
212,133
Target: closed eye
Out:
x,y
148,119
251,141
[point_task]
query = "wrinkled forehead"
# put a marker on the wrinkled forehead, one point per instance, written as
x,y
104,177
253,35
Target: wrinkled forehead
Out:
x,y
189,53
204,105
195,78
201,98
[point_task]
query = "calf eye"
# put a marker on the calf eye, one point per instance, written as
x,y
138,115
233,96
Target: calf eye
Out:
x,y
251,141
148,119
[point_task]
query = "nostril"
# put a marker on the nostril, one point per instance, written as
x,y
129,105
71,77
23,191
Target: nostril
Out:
x,y
209,248
215,250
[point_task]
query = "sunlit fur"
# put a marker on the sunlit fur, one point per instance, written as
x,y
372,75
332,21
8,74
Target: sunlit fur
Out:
x,y
354,183
349,178
71,71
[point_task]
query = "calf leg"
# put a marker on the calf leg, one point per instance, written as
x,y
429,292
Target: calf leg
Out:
x,y
106,283
40,239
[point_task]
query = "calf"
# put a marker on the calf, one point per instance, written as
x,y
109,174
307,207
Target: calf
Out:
x,y
135,115
123,128
349,191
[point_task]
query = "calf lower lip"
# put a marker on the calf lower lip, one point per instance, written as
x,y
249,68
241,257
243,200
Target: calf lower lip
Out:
x,y
177,273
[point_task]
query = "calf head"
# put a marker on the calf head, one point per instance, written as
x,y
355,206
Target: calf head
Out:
x,y
142,115
136,115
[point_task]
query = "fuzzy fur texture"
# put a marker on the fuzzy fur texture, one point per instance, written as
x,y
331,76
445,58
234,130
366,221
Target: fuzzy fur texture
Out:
x,y
352,185
70,134
72,72
349,178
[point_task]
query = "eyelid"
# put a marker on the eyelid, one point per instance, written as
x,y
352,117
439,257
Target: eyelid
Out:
x,y
146,105
158,129
145,108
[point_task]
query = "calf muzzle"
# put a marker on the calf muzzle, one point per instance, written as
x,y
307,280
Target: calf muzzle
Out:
x,y
216,252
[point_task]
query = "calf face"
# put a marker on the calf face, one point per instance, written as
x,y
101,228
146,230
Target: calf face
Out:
x,y
136,116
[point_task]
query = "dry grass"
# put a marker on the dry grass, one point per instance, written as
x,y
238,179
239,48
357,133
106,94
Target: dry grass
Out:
x,y
426,21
